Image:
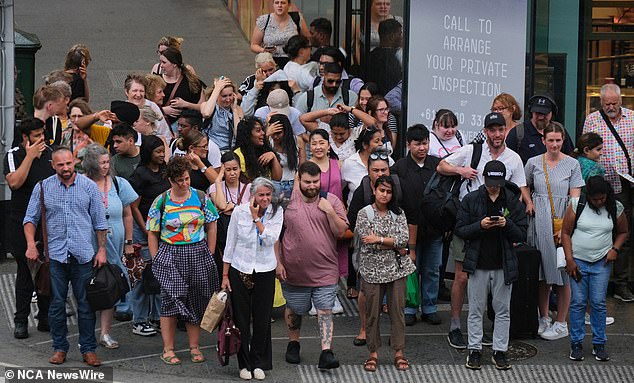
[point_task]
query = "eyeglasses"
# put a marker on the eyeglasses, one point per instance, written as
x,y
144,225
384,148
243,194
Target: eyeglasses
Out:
x,y
378,156
201,146
499,109
383,110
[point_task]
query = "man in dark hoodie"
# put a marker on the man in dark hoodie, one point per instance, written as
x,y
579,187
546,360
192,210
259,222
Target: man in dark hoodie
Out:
x,y
490,220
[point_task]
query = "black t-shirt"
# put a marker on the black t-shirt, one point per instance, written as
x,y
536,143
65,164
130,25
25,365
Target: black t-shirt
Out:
x,y
77,87
491,244
385,69
183,92
198,179
148,185
40,169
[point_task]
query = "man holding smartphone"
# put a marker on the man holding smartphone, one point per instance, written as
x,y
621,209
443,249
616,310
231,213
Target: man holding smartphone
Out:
x,y
491,219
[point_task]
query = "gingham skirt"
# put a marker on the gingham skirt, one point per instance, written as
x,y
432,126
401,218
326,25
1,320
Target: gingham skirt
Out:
x,y
188,278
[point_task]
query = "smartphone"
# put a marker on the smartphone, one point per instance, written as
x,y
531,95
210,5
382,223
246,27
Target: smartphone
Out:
x,y
494,218
577,276
255,204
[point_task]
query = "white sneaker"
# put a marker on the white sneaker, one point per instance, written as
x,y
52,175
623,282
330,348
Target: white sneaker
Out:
x,y
337,308
143,329
608,320
312,311
544,324
557,331
245,374
258,374
34,297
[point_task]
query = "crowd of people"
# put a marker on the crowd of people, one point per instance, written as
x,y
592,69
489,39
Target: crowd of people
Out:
x,y
301,177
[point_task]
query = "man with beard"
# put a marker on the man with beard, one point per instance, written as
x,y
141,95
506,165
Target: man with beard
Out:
x,y
458,163
24,166
329,94
307,265
618,149
526,139
74,209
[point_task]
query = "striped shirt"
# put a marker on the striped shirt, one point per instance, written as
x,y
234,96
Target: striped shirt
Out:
x,y
72,214
613,159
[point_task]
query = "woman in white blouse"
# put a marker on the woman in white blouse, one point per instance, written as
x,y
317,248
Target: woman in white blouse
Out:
x,y
249,274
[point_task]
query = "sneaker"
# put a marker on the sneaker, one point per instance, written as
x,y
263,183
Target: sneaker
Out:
x,y
337,308
624,294
258,374
143,329
456,340
557,331
312,311
327,360
34,297
156,325
544,324
410,319
576,352
245,374
598,350
432,318
487,340
292,352
21,330
608,320
499,360
474,360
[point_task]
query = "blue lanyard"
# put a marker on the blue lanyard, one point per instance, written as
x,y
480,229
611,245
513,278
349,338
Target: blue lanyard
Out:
x,y
258,231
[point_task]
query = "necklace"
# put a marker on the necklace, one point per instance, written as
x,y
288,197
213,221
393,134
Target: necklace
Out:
x,y
180,203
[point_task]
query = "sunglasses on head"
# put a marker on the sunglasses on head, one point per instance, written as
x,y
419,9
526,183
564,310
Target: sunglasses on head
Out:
x,y
378,156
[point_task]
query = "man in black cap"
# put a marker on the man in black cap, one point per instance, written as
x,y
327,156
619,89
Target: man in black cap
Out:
x,y
526,138
489,259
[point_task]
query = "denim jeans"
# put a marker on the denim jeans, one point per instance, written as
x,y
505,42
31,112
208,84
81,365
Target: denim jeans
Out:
x,y
77,275
592,287
284,187
428,261
143,305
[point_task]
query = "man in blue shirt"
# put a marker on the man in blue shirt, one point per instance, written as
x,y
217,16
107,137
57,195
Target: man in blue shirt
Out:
x,y
542,110
74,209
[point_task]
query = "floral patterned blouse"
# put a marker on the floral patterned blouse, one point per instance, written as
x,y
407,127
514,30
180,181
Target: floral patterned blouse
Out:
x,y
378,265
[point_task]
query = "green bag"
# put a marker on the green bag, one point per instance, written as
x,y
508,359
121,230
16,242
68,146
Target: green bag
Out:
x,y
412,298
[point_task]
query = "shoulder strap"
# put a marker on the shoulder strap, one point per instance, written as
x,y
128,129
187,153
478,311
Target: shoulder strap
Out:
x,y
43,219
180,78
618,139
580,206
519,131
441,144
459,138
296,19
316,81
323,194
201,198
550,194
476,155
268,18
367,190
310,100
345,94
397,186
241,192
116,184
369,211
162,207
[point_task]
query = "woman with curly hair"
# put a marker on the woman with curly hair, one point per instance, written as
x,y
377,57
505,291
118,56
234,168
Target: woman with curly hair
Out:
x,y
257,158
182,237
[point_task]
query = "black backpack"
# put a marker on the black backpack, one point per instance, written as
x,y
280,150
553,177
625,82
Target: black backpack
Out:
x,y
582,204
441,196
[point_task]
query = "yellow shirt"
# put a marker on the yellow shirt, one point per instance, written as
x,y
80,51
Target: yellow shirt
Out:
x,y
99,133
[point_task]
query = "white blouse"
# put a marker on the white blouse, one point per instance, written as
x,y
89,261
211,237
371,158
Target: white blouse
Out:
x,y
247,250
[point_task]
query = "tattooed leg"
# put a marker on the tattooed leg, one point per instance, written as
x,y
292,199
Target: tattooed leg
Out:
x,y
324,317
294,324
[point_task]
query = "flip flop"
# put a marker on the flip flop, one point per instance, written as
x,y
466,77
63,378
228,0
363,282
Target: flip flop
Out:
x,y
370,364
352,293
171,360
196,357
401,363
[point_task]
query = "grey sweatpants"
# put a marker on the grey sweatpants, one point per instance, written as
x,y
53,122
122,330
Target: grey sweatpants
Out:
x,y
480,284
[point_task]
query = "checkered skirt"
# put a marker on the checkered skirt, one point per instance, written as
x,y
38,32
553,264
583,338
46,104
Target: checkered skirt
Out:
x,y
188,278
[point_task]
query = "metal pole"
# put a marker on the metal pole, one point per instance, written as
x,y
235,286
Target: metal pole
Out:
x,y
7,86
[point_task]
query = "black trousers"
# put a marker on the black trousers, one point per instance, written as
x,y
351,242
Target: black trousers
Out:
x,y
23,282
621,270
257,303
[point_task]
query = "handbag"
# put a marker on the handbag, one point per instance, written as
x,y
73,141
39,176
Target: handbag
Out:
x,y
215,311
151,285
41,268
412,298
229,340
106,286
135,265
557,222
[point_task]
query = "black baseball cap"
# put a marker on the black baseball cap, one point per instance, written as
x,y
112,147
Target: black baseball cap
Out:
x,y
541,104
494,173
494,118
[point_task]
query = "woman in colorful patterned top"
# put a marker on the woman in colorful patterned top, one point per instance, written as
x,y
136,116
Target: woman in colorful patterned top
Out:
x,y
384,267
588,151
182,236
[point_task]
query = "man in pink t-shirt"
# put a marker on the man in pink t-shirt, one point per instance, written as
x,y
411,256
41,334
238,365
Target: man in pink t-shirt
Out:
x,y
308,265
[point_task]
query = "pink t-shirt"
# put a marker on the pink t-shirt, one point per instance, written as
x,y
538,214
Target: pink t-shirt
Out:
x,y
331,180
309,246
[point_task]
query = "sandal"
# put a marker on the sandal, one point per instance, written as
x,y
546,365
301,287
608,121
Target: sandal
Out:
x,y
352,293
196,357
401,363
384,309
370,364
172,360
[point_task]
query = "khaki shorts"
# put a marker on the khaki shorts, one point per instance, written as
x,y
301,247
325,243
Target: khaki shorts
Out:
x,y
457,249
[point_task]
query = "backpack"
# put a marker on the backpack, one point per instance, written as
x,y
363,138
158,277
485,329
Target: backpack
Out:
x,y
581,204
441,196
345,87
367,189
356,239
201,197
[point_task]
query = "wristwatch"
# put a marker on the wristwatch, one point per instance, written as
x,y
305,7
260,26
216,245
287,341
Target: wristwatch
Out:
x,y
127,242
203,169
256,220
